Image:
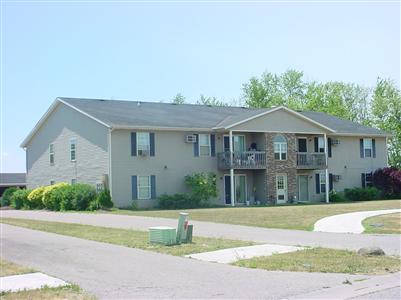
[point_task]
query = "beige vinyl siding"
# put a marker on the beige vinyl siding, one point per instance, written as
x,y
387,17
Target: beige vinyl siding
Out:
x,y
61,126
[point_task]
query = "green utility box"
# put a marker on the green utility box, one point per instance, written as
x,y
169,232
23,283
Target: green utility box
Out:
x,y
162,235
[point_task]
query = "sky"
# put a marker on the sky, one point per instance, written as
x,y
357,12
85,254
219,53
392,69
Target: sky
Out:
x,y
152,51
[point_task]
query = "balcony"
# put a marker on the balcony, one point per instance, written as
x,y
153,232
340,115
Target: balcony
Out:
x,y
311,161
242,160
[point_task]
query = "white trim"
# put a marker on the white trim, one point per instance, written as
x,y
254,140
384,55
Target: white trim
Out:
x,y
48,112
327,183
277,131
285,187
137,144
210,145
161,128
384,135
110,183
150,187
276,109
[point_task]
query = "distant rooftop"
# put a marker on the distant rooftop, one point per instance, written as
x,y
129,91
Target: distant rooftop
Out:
x,y
9,179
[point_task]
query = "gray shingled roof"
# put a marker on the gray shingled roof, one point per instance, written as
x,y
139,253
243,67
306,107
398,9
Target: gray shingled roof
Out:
x,y
12,179
118,113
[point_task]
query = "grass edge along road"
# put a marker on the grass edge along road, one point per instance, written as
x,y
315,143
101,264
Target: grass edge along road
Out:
x,y
299,216
126,237
386,224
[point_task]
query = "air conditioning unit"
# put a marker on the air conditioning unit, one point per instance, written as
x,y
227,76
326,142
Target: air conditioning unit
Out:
x,y
191,138
335,142
336,177
143,152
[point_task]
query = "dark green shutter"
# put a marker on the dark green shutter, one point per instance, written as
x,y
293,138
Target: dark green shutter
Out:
x,y
373,148
316,144
213,144
153,187
361,148
134,187
196,145
317,179
330,182
329,146
363,177
133,143
152,143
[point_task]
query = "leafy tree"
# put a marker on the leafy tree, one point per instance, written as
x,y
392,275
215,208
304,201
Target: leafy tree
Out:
x,y
386,115
179,99
203,187
213,101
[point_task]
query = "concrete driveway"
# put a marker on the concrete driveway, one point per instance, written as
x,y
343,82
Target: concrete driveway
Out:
x,y
390,243
110,271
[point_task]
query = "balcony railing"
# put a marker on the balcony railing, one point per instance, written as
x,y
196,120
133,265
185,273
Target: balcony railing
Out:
x,y
242,160
311,161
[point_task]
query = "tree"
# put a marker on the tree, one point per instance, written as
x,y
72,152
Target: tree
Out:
x,y
386,115
179,99
212,101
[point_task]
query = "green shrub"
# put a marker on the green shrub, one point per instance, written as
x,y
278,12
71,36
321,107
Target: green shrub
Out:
x,y
83,194
6,198
360,194
177,201
336,197
65,196
35,198
203,187
19,199
51,199
104,199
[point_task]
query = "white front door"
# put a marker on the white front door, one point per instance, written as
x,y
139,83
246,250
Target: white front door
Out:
x,y
281,188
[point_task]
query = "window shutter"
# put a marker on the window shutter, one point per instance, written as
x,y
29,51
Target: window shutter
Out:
x,y
196,145
152,143
363,180
317,179
316,144
134,186
330,182
373,148
226,143
153,187
133,143
213,144
329,146
361,148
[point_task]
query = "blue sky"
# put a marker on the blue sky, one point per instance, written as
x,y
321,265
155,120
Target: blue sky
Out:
x,y
151,51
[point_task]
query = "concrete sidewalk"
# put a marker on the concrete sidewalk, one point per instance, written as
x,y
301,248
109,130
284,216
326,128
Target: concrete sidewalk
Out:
x,y
111,271
30,281
390,243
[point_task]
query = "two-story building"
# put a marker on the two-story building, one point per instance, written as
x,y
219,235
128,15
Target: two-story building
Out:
x,y
140,150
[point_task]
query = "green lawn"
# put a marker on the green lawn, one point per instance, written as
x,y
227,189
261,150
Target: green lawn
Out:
x,y
324,260
8,268
390,223
126,237
289,217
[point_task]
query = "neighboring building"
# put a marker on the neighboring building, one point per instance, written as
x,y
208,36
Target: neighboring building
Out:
x,y
11,180
141,150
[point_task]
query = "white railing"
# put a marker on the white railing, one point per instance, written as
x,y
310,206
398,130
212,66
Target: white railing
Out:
x,y
242,160
311,160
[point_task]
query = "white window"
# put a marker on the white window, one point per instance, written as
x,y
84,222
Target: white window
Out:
x,y
52,182
322,182
51,154
367,147
73,149
280,147
99,187
320,144
73,181
143,186
204,145
143,142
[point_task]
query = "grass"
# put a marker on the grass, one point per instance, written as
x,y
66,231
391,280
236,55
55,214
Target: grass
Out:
x,y
71,292
390,223
8,268
126,237
299,216
324,260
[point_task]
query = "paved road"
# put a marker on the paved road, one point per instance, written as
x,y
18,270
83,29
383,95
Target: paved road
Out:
x,y
111,271
390,243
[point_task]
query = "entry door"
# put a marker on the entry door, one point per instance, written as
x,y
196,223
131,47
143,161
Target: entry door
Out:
x,y
239,189
281,188
303,193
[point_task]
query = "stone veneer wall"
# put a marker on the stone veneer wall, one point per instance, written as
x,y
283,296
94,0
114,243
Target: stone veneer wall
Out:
x,y
287,167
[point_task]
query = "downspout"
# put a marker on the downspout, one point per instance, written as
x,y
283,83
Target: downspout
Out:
x,y
327,168
232,191
110,168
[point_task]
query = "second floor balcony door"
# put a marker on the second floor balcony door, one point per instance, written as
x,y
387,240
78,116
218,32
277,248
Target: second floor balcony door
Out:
x,y
238,143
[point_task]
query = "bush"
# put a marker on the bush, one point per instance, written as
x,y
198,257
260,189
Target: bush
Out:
x,y
177,201
203,187
35,198
336,197
104,199
388,181
6,198
360,194
82,195
19,199
51,199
